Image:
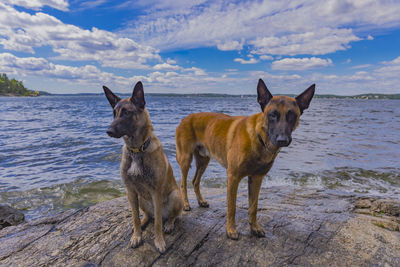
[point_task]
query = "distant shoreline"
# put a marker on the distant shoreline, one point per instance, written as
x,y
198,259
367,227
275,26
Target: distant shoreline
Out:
x,y
368,96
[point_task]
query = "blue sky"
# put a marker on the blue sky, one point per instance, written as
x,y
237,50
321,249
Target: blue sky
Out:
x,y
179,46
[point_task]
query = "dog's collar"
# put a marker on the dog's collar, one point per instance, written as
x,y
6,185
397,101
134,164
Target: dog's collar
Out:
x,y
265,145
261,141
140,149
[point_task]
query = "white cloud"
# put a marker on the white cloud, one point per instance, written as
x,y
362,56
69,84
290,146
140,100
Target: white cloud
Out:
x,y
169,81
230,45
41,67
300,63
38,4
274,27
252,60
21,31
171,61
318,42
266,57
363,66
166,66
370,37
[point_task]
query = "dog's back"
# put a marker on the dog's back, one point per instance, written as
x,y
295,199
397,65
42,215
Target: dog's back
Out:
x,y
208,133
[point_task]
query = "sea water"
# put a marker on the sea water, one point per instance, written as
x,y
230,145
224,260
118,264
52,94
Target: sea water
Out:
x,y
55,153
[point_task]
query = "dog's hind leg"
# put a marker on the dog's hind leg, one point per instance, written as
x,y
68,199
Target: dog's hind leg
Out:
x,y
148,210
202,161
172,210
184,159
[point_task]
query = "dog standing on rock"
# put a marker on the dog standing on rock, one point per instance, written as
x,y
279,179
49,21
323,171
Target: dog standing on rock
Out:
x,y
145,170
244,145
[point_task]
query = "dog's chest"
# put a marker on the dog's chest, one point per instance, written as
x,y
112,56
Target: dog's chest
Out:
x,y
136,168
140,173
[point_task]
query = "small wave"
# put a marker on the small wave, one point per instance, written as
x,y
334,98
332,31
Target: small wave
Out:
x,y
54,199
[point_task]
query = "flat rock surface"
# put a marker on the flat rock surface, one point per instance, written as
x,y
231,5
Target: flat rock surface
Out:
x,y
303,227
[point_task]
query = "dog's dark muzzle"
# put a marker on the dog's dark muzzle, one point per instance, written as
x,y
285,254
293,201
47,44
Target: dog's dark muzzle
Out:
x,y
283,140
112,133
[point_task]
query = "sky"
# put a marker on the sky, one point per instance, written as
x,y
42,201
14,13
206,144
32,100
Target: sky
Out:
x,y
345,47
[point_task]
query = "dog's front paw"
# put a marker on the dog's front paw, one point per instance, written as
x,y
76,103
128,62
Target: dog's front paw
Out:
x,y
204,204
160,244
187,207
169,227
232,234
136,241
257,231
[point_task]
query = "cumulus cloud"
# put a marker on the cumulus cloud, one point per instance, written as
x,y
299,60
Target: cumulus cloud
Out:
x,y
23,32
38,4
273,27
252,60
166,66
230,45
87,74
300,63
266,57
318,42
171,81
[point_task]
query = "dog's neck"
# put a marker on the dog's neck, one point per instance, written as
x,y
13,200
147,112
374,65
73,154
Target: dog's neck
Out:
x,y
139,138
262,136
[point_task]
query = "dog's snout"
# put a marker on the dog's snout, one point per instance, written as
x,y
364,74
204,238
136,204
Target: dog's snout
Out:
x,y
283,140
111,132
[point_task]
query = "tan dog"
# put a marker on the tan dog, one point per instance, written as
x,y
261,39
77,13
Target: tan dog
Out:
x,y
145,170
244,145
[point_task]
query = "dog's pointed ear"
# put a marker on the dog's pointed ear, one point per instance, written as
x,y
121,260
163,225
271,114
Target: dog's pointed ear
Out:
x,y
263,94
137,97
112,99
303,100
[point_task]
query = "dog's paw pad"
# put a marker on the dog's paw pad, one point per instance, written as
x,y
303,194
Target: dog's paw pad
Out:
x,y
187,208
204,204
135,241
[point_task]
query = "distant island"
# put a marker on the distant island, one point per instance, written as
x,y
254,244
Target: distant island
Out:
x,y
13,87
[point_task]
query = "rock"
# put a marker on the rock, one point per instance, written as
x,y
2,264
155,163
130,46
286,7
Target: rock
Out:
x,y
387,206
303,227
10,216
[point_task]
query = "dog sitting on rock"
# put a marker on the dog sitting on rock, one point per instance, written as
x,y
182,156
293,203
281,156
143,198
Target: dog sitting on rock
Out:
x,y
145,170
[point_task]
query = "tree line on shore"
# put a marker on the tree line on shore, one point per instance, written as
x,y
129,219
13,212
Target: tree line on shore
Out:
x,y
13,87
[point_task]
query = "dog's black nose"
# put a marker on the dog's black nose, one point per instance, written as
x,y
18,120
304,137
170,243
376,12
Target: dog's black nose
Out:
x,y
111,132
282,140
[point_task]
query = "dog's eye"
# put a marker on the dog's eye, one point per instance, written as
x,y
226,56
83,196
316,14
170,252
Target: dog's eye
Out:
x,y
273,115
291,116
125,112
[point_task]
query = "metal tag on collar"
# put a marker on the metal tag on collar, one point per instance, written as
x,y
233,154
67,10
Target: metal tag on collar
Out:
x,y
135,150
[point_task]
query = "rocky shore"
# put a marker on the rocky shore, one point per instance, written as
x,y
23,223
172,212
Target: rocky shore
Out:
x,y
303,227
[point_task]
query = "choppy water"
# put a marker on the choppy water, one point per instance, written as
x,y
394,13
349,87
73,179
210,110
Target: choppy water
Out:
x,y
55,154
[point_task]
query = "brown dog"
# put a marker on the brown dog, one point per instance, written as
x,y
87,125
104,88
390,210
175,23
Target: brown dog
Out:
x,y
244,145
145,170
